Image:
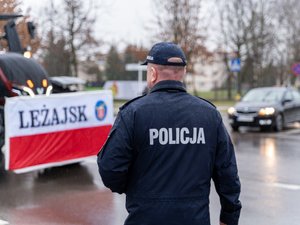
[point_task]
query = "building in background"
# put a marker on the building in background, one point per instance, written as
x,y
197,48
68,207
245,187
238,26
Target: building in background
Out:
x,y
209,74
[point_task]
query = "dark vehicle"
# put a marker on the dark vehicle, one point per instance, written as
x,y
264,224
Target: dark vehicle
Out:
x,y
63,84
20,76
267,108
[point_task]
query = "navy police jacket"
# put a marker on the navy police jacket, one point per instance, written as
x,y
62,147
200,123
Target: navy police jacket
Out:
x,y
163,150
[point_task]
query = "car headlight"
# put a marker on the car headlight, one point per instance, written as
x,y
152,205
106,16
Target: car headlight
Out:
x,y
268,111
231,111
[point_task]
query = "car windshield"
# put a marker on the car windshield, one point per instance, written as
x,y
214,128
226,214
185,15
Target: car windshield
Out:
x,y
263,95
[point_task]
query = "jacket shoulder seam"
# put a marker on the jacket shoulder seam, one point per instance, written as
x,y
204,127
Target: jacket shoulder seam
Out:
x,y
207,101
131,101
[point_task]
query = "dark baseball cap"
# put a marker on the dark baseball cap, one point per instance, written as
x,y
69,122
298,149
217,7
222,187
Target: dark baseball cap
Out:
x,y
167,54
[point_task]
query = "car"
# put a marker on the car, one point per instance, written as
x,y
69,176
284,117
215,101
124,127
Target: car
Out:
x,y
267,108
63,84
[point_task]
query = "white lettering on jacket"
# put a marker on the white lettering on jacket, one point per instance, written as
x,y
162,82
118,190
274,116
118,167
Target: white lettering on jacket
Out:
x,y
176,136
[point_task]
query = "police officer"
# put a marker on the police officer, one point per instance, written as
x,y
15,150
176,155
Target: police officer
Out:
x,y
165,147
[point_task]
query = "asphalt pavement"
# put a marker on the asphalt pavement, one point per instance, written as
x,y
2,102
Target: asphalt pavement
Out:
x,y
269,169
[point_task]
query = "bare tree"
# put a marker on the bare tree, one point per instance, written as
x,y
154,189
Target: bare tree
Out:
x,y
289,38
247,28
79,28
55,54
232,34
180,21
68,35
260,42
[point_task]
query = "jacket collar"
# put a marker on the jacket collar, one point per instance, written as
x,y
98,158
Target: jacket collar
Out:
x,y
166,85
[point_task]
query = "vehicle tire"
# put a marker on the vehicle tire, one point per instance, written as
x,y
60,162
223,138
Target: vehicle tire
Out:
x,y
279,123
235,128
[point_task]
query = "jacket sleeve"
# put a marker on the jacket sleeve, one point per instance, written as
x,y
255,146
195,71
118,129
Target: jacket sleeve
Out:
x,y
225,176
116,155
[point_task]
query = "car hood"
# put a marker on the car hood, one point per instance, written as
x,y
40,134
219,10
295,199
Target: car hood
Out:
x,y
254,106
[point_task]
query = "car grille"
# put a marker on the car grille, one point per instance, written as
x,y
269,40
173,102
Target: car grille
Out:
x,y
247,113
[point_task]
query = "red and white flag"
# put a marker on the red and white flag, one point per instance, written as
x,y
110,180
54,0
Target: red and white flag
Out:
x,y
47,131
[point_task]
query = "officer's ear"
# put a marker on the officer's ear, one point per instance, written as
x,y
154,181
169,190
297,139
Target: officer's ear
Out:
x,y
153,74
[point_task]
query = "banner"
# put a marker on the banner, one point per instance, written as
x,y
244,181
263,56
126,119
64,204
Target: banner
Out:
x,y
46,131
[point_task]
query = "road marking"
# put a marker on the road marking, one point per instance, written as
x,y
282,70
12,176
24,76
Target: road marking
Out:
x,y
3,222
293,187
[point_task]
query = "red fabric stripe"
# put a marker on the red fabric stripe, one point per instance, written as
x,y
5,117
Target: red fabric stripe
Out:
x,y
56,147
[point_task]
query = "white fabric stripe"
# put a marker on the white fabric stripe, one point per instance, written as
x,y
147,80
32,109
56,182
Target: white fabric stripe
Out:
x,y
56,103
47,165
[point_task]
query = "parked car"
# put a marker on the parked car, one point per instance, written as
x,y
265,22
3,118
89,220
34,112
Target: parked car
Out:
x,y
267,108
62,84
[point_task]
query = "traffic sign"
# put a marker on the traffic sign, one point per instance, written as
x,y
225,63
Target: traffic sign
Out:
x,y
296,69
235,65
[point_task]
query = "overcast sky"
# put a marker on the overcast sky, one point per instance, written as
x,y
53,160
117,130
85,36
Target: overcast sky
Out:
x,y
119,21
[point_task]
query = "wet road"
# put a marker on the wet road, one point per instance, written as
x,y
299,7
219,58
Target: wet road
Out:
x,y
269,168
